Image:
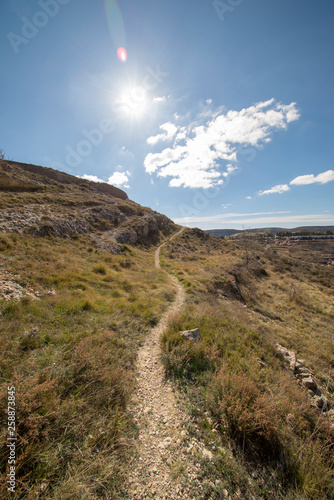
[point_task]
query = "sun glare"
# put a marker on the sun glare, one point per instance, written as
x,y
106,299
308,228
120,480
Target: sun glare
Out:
x,y
133,102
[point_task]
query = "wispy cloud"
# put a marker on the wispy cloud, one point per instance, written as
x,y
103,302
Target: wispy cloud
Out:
x,y
260,219
232,215
280,188
302,180
205,147
159,99
322,178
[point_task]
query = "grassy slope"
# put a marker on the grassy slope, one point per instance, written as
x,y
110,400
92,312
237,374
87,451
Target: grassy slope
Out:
x,y
71,358
248,406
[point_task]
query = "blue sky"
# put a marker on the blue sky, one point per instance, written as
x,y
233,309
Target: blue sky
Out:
x,y
220,117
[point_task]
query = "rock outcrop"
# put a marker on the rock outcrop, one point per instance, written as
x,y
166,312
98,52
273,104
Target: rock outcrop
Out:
x,y
140,229
11,290
52,203
305,377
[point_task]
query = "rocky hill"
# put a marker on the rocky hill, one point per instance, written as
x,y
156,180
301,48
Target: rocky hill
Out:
x,y
42,201
16,176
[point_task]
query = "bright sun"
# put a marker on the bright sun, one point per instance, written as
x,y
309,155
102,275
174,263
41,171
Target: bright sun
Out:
x,y
132,102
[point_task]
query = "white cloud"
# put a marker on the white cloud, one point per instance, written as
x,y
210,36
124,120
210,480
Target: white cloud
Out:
x,y
213,140
156,160
248,197
229,169
302,180
120,179
91,178
181,135
170,131
159,99
322,178
280,188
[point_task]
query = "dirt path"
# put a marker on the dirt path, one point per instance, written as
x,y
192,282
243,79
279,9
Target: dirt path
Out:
x,y
161,447
157,252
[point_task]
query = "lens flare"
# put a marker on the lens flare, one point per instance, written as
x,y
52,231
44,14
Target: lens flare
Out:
x,y
116,28
122,54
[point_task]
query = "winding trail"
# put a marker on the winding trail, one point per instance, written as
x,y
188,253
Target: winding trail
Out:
x,y
162,433
157,252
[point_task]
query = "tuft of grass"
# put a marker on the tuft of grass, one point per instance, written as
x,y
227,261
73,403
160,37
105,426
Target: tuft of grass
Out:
x,y
100,269
5,243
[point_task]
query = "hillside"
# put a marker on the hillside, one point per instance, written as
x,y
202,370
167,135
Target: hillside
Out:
x,y
111,401
44,202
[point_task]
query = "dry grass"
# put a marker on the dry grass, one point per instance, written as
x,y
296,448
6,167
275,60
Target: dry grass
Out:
x,y
243,307
70,356
71,352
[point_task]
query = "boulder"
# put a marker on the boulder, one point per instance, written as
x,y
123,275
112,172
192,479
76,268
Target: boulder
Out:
x,y
321,402
192,335
309,383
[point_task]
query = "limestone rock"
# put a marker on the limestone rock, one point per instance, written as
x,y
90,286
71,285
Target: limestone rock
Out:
x,y
305,377
9,290
320,402
288,356
127,236
192,335
309,383
207,454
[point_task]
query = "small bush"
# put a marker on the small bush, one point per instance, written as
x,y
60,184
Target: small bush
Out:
x,y
251,418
